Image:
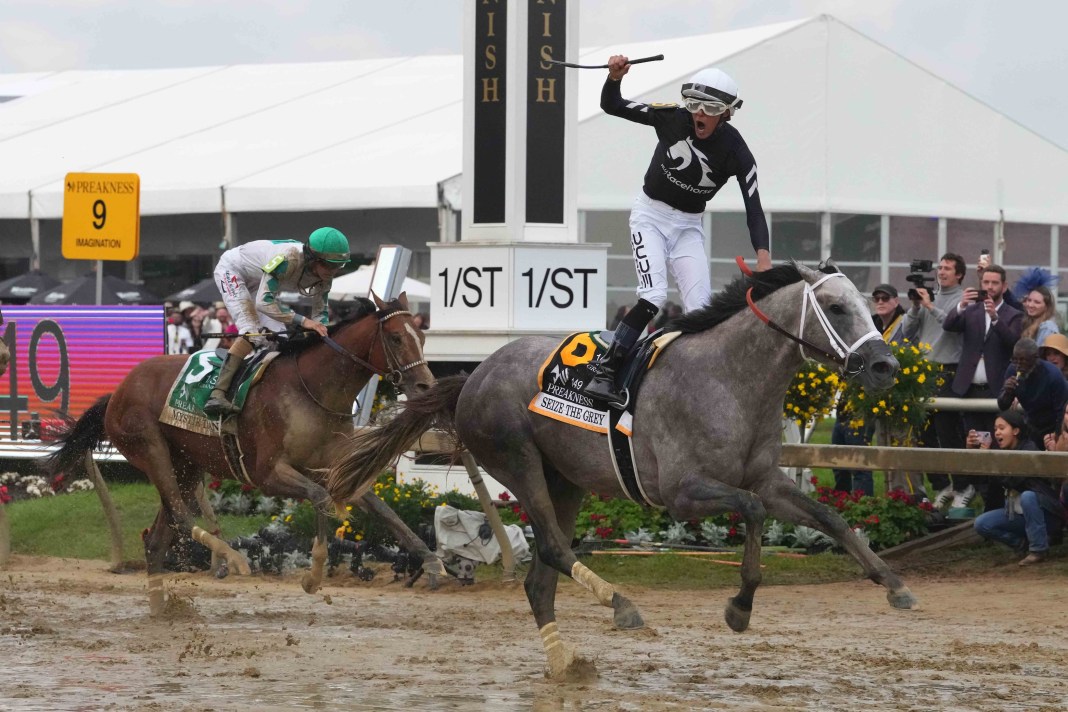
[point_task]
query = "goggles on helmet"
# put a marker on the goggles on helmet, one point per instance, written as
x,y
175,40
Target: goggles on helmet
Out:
x,y
710,107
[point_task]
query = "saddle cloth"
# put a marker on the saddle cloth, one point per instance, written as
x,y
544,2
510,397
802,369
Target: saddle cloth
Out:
x,y
184,407
560,396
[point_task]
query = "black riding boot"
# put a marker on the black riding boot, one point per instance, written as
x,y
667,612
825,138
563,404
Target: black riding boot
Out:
x,y
219,403
604,369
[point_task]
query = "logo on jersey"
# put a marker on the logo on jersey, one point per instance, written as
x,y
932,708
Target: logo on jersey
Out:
x,y
686,152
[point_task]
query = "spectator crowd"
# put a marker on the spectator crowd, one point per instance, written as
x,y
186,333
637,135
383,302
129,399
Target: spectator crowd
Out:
x,y
998,344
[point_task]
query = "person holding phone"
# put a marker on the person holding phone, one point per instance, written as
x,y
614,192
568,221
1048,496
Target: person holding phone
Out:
x,y
990,329
1038,386
1032,514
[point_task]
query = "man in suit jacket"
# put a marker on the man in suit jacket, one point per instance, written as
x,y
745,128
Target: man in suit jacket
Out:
x,y
991,329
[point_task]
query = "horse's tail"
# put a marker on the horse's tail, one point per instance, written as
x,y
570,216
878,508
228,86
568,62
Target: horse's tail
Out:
x,y
371,450
76,437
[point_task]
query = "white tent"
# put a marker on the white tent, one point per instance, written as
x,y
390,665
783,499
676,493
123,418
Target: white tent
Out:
x,y
358,284
838,123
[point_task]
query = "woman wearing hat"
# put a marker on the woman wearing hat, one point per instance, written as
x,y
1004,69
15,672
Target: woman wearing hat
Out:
x,y
1055,350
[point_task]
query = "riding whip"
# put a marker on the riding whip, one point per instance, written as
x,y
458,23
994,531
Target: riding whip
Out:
x,y
655,58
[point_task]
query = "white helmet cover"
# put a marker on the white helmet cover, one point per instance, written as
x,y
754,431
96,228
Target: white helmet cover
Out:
x,y
713,84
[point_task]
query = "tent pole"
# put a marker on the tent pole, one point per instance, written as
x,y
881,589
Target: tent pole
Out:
x,y
99,282
35,244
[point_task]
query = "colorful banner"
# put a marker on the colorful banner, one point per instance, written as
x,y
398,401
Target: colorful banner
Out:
x,y
65,357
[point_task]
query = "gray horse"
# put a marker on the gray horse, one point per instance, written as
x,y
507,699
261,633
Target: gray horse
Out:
x,y
706,436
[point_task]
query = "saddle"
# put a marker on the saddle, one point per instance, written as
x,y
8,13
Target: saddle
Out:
x,y
184,407
561,381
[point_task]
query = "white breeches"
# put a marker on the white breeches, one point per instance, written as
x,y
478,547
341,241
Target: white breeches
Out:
x,y
242,305
663,237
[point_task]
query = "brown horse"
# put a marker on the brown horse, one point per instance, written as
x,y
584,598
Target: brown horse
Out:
x,y
288,427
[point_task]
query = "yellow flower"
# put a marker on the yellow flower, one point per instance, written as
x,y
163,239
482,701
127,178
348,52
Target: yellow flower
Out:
x,y
875,409
905,407
922,378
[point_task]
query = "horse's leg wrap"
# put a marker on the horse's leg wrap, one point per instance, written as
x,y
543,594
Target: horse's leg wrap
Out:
x,y
155,594
312,580
220,547
594,583
559,654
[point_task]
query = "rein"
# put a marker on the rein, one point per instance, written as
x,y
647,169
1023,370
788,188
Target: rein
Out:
x,y
394,375
842,351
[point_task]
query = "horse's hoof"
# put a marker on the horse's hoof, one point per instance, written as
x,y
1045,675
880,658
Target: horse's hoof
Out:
x,y
156,603
223,571
566,666
737,617
310,583
626,616
239,564
433,582
434,567
902,598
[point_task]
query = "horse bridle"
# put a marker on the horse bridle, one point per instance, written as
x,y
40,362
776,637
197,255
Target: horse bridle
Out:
x,y
843,352
396,372
394,375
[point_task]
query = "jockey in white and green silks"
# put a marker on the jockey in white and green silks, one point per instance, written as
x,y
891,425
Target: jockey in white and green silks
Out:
x,y
265,268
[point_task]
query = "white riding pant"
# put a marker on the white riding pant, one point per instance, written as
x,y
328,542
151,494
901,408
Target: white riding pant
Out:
x,y
242,305
663,237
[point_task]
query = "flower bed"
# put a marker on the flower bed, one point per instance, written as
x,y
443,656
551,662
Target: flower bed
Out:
x,y
15,487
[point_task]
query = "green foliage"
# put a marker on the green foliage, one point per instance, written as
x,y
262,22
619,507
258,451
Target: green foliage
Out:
x,y
44,527
886,521
414,502
604,518
811,394
901,410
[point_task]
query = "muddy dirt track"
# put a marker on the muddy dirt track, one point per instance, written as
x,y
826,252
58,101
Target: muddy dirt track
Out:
x,y
75,637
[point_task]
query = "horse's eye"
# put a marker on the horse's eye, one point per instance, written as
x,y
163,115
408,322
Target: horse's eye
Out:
x,y
836,309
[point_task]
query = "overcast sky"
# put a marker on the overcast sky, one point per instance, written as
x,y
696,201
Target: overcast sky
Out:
x,y
1011,55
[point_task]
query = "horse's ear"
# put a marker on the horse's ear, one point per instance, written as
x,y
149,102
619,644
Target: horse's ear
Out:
x,y
402,299
807,273
378,302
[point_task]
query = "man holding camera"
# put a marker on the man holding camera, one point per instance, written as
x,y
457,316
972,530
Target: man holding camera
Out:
x,y
923,324
990,330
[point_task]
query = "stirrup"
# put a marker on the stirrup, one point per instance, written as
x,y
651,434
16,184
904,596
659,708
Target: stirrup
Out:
x,y
604,388
216,407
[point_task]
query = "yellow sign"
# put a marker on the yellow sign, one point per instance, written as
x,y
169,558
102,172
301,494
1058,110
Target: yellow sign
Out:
x,y
101,216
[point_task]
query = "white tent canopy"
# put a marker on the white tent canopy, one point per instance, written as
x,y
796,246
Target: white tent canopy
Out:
x,y
837,122
358,284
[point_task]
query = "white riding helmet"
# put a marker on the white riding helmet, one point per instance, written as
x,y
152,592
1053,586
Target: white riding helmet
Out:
x,y
713,85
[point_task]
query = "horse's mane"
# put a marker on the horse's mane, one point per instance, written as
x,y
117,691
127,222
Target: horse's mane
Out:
x,y
357,310
731,300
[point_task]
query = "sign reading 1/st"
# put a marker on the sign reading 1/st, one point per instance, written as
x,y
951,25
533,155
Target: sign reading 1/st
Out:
x,y
551,287
101,216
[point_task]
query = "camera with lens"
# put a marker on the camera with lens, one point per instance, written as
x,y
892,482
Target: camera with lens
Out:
x,y
919,275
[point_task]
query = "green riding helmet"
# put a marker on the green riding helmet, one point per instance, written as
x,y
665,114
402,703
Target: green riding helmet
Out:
x,y
329,245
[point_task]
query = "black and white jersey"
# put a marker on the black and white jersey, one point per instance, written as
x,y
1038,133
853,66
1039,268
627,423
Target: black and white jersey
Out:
x,y
686,171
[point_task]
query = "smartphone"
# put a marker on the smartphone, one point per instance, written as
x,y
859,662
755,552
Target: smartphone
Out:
x,y
984,437
984,258
982,295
